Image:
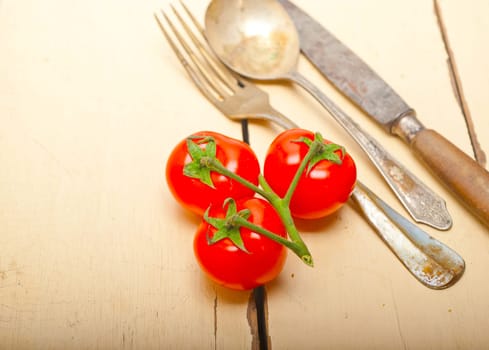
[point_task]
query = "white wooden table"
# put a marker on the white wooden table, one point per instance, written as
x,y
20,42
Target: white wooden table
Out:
x,y
95,253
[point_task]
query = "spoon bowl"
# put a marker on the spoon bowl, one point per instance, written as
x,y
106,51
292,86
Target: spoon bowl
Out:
x,y
256,38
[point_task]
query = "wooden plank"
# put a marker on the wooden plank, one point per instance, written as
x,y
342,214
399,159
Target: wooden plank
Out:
x,y
358,296
95,252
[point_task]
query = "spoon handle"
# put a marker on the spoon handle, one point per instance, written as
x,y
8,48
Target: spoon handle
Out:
x,y
433,263
421,202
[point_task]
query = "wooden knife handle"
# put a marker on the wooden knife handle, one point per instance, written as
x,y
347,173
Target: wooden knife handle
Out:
x,y
463,176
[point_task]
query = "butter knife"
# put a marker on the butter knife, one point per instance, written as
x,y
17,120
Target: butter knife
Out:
x,y
466,179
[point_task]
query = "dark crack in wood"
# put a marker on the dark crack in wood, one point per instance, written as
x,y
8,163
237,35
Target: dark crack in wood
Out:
x,y
479,153
257,312
258,319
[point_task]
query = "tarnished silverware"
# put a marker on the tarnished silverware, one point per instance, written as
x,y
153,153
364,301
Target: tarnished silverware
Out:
x,y
237,99
461,174
257,39
432,263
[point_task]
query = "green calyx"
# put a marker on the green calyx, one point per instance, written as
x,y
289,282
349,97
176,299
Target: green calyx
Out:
x,y
322,151
199,168
229,226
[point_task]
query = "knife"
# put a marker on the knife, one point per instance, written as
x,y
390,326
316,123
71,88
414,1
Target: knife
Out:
x,y
462,175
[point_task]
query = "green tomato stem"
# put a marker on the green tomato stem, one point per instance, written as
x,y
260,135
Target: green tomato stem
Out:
x,y
283,210
281,205
313,149
216,166
299,248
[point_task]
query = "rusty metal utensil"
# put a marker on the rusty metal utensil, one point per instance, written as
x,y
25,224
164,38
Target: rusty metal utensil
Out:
x,y
258,39
460,173
432,263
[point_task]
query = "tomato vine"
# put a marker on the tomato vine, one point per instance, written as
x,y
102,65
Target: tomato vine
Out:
x,y
212,174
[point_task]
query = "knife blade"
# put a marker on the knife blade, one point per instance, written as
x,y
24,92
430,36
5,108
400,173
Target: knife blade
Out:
x,y
465,178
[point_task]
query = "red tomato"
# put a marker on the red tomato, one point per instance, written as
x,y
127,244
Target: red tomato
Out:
x,y
321,191
230,266
195,195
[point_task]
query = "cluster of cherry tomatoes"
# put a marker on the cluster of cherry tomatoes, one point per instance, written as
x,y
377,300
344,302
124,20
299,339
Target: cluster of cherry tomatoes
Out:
x,y
240,257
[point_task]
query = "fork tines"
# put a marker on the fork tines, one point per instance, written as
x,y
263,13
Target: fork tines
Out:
x,y
200,62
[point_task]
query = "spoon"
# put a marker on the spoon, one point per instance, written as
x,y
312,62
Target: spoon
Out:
x,y
257,39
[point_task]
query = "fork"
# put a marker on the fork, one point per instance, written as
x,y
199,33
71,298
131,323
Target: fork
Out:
x,y
431,262
235,98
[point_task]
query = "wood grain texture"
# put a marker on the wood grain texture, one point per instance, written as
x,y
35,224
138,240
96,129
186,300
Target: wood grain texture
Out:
x,y
95,254
470,58
458,88
360,297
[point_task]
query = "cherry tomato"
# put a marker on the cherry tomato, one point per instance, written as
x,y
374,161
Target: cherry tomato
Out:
x,y
226,264
195,195
321,191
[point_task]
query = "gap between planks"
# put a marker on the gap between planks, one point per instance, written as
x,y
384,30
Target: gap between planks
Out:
x,y
479,154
